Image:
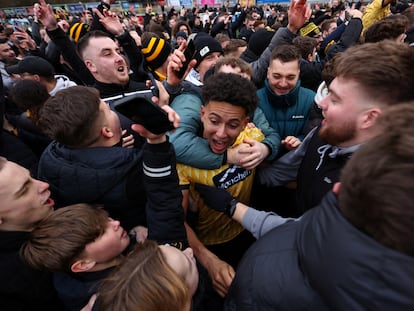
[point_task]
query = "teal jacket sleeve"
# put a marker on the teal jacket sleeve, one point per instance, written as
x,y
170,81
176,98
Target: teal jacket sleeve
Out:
x,y
272,138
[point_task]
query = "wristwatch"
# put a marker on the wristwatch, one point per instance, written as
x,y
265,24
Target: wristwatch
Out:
x,y
231,207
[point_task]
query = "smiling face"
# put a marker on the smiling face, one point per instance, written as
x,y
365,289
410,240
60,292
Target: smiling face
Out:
x,y
282,76
345,109
24,200
207,63
103,59
222,123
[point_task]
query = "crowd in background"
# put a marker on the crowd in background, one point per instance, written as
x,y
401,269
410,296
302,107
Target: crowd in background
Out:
x,y
284,183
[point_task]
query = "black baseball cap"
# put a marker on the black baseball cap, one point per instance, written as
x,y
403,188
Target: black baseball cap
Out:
x,y
33,65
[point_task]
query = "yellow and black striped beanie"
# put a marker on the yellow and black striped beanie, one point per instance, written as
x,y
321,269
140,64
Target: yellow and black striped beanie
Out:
x,y
310,30
77,30
155,51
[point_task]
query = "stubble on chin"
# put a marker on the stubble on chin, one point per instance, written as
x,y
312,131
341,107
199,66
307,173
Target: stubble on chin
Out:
x,y
339,135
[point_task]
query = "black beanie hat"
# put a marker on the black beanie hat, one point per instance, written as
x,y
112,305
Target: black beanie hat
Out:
x,y
77,30
259,41
155,51
205,45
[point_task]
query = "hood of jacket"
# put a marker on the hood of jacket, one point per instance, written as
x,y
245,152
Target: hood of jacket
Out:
x,y
62,82
87,174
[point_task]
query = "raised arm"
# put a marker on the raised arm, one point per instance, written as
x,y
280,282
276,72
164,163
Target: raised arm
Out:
x,y
256,222
45,15
165,215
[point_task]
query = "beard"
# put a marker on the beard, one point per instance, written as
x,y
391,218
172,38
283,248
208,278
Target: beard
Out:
x,y
337,135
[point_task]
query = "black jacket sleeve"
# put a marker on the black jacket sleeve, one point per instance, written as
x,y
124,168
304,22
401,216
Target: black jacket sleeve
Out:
x,y
350,36
67,47
165,215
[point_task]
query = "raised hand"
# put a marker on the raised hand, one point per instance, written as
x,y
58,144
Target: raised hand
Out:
x,y
299,12
110,21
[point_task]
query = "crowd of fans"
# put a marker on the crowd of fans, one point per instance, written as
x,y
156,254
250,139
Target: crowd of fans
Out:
x,y
285,184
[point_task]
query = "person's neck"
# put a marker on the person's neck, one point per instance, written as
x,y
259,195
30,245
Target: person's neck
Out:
x,y
50,85
106,142
17,228
361,138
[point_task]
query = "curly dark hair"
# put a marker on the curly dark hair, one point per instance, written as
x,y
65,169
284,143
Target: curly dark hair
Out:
x,y
29,95
231,88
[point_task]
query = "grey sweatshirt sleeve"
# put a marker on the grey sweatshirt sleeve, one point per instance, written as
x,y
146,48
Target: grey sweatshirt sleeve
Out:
x,y
259,67
259,223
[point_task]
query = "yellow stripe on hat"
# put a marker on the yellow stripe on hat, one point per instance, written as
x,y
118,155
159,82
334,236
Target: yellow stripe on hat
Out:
x,y
157,50
305,30
150,45
77,34
72,29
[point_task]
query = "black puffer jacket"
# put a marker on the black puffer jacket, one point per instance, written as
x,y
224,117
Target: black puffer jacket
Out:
x,y
111,176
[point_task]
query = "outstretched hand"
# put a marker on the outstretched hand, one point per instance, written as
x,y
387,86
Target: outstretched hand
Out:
x,y
44,14
215,198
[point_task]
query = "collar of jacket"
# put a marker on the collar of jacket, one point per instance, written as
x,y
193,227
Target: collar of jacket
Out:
x,y
282,101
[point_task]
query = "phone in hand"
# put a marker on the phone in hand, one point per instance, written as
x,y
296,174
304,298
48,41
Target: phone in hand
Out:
x,y
154,87
143,111
189,53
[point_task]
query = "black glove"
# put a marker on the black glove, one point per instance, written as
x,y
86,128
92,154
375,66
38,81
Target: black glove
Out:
x,y
217,199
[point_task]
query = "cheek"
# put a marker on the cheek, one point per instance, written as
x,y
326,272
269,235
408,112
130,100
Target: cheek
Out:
x,y
292,83
233,133
209,130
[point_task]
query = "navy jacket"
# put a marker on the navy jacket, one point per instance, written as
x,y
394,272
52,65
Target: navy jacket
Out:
x,y
22,288
322,262
110,176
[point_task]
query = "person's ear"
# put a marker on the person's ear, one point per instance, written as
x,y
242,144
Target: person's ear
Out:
x,y
202,112
107,132
90,66
336,188
36,77
370,118
82,265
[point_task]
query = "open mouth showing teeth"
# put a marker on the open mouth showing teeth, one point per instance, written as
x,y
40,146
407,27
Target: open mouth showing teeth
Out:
x,y
121,69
